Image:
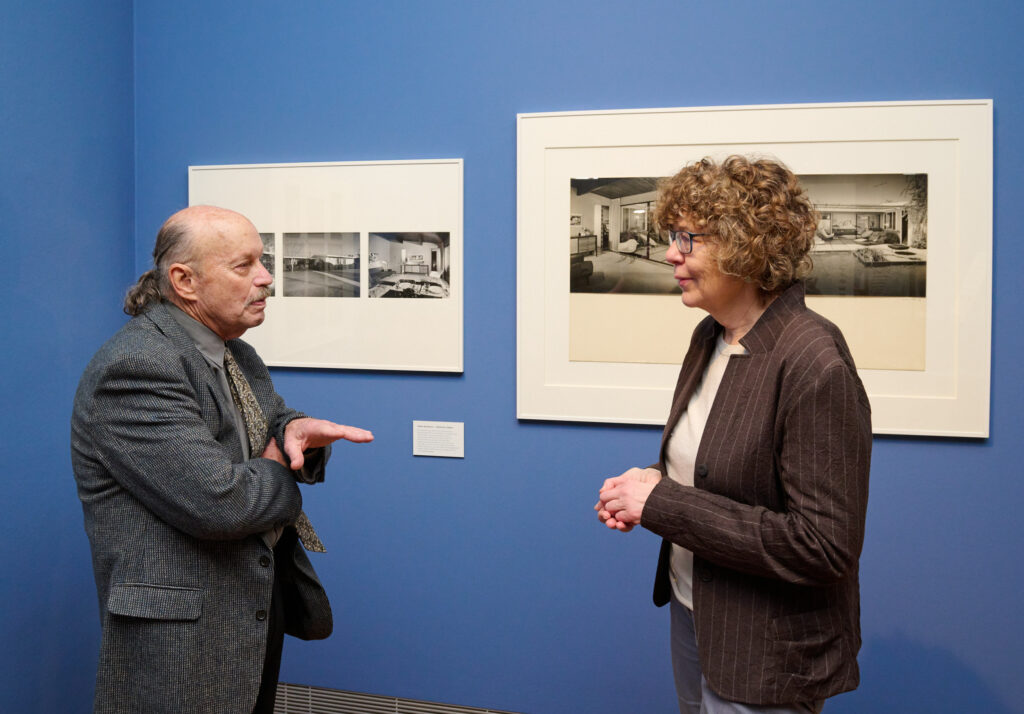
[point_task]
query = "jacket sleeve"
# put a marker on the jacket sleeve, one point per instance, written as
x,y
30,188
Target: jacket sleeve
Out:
x,y
821,463
150,435
314,465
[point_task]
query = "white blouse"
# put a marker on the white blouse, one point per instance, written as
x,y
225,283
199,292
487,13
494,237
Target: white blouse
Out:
x,y
682,453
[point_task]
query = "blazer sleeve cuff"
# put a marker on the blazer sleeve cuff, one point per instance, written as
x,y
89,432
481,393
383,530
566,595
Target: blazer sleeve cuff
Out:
x,y
314,465
662,512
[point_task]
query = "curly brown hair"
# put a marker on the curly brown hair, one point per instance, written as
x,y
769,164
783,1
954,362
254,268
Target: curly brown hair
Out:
x,y
760,220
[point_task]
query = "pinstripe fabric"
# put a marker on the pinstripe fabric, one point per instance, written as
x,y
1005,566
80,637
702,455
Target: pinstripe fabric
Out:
x,y
174,518
776,517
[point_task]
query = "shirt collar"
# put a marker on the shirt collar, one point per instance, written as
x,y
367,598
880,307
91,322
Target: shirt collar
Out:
x,y
208,342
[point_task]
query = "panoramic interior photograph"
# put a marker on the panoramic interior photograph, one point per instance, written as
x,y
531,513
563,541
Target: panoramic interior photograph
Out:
x,y
872,236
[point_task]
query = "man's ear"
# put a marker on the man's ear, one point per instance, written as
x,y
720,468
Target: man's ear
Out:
x,y
183,281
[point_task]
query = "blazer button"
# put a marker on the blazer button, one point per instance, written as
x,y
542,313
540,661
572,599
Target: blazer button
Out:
x,y
702,470
261,615
265,560
705,575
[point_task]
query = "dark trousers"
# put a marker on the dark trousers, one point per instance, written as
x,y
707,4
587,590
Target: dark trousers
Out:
x,y
275,634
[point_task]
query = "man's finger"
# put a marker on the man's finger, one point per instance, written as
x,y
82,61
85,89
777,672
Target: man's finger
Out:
x,y
320,432
354,433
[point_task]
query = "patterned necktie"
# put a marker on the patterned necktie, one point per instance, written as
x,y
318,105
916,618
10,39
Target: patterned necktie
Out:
x,y
256,426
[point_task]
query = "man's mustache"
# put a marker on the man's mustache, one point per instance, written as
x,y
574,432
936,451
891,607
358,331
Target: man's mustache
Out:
x,y
263,294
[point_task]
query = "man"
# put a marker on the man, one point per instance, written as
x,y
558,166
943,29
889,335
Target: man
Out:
x,y
186,462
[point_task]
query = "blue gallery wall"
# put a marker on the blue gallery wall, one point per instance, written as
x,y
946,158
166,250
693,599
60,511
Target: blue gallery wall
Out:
x,y
485,581
66,187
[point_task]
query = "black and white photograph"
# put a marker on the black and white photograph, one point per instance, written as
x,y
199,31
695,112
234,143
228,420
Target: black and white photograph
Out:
x,y
268,259
409,265
872,237
871,241
616,248
320,264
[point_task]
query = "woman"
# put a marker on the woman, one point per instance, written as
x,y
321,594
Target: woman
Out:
x,y
761,485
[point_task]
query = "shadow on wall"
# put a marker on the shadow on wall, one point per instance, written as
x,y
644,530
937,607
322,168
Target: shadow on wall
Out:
x,y
906,677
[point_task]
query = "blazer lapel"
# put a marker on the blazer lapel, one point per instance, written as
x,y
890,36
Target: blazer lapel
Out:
x,y
198,365
760,339
690,375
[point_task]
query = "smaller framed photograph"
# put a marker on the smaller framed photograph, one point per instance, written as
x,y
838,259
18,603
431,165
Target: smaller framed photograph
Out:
x,y
338,237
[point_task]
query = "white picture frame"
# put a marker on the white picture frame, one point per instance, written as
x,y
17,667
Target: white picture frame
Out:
x,y
951,141
365,219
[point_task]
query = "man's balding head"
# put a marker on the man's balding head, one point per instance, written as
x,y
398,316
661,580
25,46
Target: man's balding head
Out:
x,y
222,284
200,253
188,235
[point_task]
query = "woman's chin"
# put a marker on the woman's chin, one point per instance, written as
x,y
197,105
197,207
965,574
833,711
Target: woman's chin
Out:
x,y
690,300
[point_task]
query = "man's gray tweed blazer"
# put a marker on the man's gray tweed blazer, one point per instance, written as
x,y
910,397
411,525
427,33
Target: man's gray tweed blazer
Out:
x,y
175,516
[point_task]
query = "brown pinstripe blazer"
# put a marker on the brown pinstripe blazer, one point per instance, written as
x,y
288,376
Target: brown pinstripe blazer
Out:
x,y
776,517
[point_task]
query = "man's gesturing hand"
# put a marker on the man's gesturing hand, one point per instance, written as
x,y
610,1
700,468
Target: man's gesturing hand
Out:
x,y
309,433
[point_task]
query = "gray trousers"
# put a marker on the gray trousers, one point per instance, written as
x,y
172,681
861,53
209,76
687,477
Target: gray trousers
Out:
x,y
695,697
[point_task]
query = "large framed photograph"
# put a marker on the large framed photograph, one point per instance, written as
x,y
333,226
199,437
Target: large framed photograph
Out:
x,y
366,259
902,255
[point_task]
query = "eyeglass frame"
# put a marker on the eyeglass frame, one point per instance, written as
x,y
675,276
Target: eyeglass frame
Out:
x,y
676,237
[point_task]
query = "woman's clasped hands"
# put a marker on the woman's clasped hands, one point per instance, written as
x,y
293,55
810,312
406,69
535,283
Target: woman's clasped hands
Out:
x,y
622,498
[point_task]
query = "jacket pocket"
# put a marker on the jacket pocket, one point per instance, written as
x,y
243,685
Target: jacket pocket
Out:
x,y
808,651
155,602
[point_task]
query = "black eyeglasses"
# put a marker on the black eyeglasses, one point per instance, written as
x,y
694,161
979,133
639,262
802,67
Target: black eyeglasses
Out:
x,y
684,240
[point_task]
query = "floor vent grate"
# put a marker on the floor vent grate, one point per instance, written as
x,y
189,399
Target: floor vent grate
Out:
x,y
302,699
